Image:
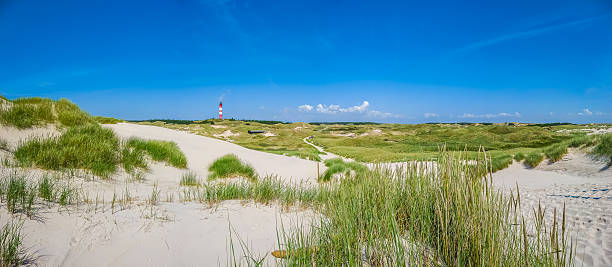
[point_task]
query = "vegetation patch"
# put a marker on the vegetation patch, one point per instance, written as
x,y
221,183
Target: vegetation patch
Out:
x,y
37,111
160,151
501,162
604,148
337,165
106,120
190,179
230,166
520,156
12,251
20,195
533,159
89,147
556,152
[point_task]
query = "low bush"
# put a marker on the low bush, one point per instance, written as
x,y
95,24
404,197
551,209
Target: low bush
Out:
x,y
230,166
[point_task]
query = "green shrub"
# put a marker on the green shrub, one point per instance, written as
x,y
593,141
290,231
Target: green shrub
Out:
x,y
89,147
230,166
533,159
556,152
160,151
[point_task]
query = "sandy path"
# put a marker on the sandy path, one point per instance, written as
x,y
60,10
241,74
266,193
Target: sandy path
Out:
x,y
588,202
201,151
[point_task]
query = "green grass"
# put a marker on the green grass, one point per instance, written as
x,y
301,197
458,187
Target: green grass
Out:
x,y
604,148
412,217
106,120
36,111
556,152
520,156
231,166
132,159
338,166
12,251
533,159
89,147
160,151
501,162
21,195
190,179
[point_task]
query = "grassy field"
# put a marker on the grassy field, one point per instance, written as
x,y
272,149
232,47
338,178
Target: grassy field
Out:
x,y
372,142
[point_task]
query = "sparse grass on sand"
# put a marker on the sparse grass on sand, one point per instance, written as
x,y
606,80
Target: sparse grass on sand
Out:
x,y
231,166
337,165
20,195
160,151
604,148
190,179
12,251
501,162
413,216
533,159
37,111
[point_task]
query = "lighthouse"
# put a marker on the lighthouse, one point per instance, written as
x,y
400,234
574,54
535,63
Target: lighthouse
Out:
x,y
221,110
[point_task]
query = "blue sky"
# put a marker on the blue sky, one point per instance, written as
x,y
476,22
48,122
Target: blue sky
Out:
x,y
386,61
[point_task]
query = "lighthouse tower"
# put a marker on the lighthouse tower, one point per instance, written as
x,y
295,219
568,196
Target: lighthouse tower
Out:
x,y
220,110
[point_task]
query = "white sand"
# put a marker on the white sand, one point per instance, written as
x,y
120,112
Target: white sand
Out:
x,y
584,190
13,135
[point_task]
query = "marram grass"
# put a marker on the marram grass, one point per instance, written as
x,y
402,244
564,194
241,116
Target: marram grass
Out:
x,y
533,159
339,166
420,215
231,166
160,151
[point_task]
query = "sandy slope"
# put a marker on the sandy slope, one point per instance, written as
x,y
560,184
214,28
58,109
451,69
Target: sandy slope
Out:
x,y
587,198
201,151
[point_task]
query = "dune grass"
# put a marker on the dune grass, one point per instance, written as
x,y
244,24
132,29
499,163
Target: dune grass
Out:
x,y
165,151
190,179
12,251
89,147
604,147
520,156
37,111
501,162
106,120
20,195
533,159
556,152
337,165
411,216
231,166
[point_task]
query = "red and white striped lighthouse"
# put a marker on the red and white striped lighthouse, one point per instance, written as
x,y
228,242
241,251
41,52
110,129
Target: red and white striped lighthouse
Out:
x,y
221,110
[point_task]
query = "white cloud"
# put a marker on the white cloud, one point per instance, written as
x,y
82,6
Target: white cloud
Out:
x,y
305,108
585,112
431,115
490,115
337,109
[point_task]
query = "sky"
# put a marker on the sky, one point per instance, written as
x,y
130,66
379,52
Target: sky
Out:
x,y
382,61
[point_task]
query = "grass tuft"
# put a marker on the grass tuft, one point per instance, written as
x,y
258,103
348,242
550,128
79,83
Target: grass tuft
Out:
x,y
160,151
12,252
337,165
190,179
230,166
89,147
500,162
533,159
106,120
604,148
520,156
556,152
